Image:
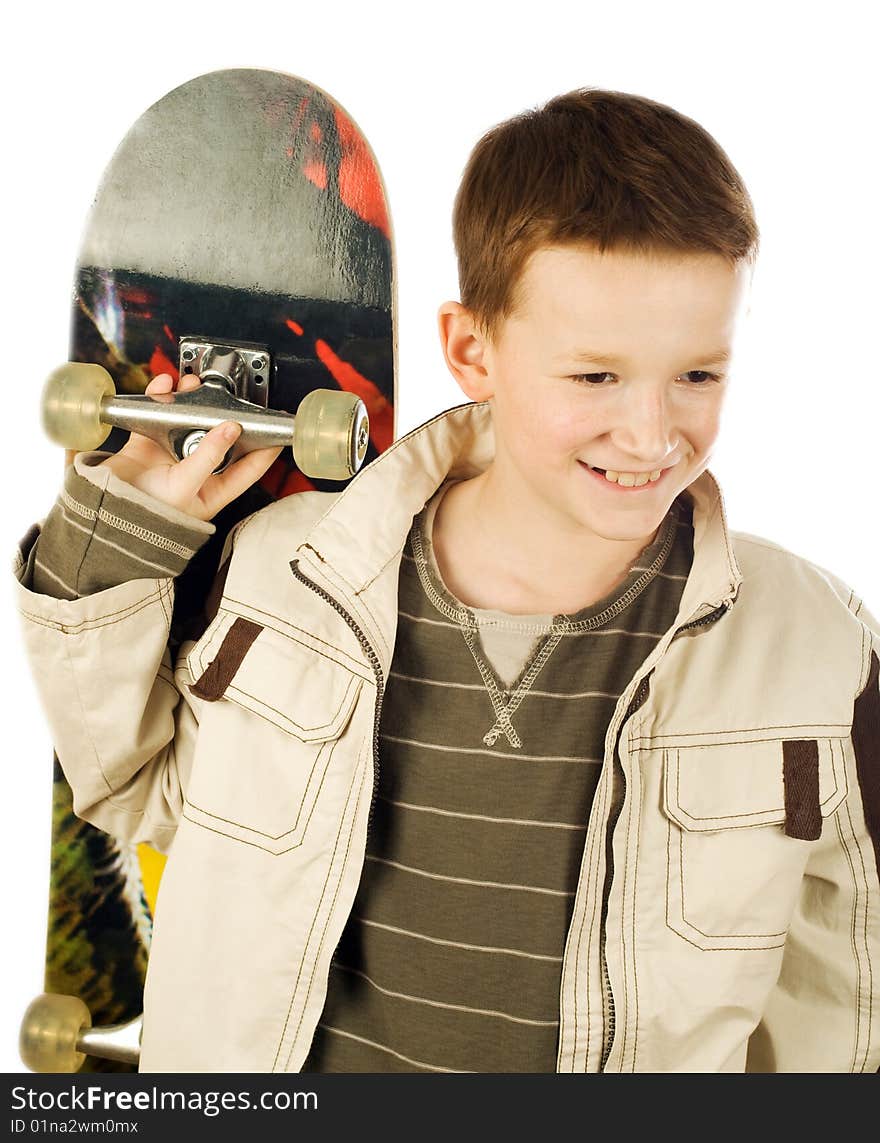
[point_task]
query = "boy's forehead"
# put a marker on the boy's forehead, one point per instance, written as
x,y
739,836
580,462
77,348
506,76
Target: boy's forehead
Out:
x,y
578,288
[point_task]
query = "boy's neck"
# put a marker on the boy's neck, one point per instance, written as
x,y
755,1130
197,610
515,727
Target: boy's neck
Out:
x,y
492,553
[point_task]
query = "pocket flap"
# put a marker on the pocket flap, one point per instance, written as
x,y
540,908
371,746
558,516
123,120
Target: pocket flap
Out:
x,y
285,681
743,784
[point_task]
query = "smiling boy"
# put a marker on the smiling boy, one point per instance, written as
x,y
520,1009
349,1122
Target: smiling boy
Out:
x,y
560,415
511,756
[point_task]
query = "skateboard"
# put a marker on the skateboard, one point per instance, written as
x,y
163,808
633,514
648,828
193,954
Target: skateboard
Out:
x,y
240,232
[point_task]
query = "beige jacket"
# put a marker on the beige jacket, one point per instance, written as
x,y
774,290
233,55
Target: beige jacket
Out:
x,y
727,916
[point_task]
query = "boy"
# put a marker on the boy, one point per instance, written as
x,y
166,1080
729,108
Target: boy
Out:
x,y
511,756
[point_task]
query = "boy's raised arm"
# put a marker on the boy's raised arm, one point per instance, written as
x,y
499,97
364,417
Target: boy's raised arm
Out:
x,y
95,591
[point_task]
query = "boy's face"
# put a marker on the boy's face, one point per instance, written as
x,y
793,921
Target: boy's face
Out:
x,y
611,361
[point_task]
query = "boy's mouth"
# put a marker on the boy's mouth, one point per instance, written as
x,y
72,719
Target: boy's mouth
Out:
x,y
625,479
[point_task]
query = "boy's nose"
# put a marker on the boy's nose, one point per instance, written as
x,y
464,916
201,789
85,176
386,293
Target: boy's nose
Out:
x,y
643,432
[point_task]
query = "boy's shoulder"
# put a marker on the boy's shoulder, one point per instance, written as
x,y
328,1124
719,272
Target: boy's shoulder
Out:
x,y
285,522
785,584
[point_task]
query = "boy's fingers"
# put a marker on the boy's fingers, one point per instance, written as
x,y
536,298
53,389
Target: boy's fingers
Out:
x,y
164,383
246,471
222,488
240,476
161,383
192,472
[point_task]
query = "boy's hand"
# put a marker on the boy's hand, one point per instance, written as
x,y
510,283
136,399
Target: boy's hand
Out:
x,y
190,484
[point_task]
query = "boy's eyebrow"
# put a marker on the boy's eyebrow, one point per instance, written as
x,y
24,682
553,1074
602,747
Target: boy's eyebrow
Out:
x,y
715,357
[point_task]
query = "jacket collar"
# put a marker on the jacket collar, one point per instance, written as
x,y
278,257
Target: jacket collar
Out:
x,y
358,542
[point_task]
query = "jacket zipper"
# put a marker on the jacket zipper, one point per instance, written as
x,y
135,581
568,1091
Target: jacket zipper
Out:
x,y
373,659
617,806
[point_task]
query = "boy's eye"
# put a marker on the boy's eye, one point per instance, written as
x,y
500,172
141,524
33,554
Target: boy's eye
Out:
x,y
591,378
701,377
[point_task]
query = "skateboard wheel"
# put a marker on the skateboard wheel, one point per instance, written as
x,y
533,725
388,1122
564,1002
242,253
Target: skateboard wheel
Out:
x,y
50,1031
330,434
71,405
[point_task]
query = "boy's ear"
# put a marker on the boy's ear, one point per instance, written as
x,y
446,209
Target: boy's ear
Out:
x,y
464,348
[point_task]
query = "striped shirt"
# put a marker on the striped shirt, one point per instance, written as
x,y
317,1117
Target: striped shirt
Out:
x,y
491,742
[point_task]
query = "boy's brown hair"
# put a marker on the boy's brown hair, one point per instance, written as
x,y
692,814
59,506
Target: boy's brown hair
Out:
x,y
606,168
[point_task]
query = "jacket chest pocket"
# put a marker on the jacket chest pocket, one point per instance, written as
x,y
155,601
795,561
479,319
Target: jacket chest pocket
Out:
x,y
741,818
272,735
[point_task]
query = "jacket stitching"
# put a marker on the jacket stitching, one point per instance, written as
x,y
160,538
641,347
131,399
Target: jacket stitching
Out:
x,y
84,721
747,813
344,588
733,567
168,683
590,937
346,701
865,670
323,749
660,741
139,812
331,910
394,556
293,627
852,936
229,836
315,913
867,649
682,935
641,777
668,872
680,895
714,936
163,600
93,624
357,603
869,991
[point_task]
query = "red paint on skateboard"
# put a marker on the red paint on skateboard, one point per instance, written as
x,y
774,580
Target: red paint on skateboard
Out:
x,y
360,187
347,377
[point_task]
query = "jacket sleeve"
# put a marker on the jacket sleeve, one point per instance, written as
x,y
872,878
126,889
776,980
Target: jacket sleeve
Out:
x,y
824,1013
102,532
114,690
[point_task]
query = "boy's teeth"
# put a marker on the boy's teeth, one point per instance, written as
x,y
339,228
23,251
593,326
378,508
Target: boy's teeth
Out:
x,y
632,479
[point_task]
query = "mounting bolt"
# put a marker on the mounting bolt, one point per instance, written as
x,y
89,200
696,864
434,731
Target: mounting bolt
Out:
x,y
192,442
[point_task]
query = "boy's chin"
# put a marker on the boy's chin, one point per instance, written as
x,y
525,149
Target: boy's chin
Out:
x,y
625,525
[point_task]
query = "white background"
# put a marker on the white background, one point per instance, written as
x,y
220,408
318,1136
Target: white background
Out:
x,y
788,90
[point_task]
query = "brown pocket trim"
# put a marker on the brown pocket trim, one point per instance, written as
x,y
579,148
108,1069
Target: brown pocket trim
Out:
x,y
800,775
221,670
866,744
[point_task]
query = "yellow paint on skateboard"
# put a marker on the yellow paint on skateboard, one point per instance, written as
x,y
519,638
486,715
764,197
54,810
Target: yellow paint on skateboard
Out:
x,y
152,864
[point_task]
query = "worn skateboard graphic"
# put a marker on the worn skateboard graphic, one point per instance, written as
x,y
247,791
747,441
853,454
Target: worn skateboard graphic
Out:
x,y
245,211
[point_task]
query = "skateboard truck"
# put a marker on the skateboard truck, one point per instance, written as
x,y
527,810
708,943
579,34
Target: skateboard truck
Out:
x,y
57,1035
329,433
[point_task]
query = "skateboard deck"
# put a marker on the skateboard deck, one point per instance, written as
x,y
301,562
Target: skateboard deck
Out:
x,y
243,207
